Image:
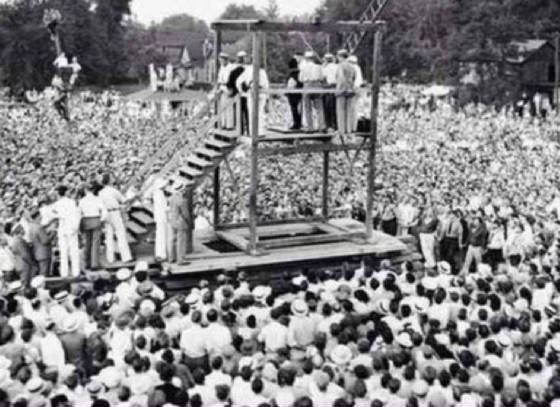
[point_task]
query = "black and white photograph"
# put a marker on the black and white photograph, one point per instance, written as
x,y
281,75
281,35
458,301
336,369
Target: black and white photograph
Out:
x,y
280,203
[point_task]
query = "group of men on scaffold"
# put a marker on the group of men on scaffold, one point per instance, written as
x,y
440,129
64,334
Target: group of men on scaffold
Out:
x,y
321,111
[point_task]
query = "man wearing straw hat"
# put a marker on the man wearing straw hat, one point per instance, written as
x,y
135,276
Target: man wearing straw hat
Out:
x,y
227,116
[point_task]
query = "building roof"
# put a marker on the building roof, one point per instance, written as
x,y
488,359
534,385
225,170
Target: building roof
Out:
x,y
521,51
173,43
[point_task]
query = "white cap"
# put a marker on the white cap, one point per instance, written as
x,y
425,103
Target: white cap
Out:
x,y
308,54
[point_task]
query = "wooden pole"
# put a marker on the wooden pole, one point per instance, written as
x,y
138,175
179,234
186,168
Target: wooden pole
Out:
x,y
217,203
190,226
217,51
373,142
254,100
325,210
556,70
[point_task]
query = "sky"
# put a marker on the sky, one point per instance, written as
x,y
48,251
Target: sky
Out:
x,y
155,10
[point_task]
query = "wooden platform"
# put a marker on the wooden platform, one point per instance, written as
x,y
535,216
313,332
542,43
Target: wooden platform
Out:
x,y
286,246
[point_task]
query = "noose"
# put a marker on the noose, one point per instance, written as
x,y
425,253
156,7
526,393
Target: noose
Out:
x,y
66,74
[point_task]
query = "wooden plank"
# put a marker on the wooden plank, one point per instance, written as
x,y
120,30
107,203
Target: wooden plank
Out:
x,y
325,192
254,143
274,138
274,26
378,40
272,222
309,148
307,240
234,239
217,205
304,91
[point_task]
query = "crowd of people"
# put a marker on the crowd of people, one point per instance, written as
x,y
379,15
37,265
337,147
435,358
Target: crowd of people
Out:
x,y
476,324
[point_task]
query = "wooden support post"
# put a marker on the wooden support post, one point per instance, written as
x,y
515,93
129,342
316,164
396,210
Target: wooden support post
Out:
x,y
217,50
254,100
325,209
190,228
217,198
373,142
556,70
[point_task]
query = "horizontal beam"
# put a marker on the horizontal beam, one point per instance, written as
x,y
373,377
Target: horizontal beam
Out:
x,y
272,222
274,26
310,148
305,91
308,240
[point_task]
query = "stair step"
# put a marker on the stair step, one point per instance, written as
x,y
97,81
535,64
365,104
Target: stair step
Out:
x,y
135,229
218,144
142,218
190,172
208,153
198,162
225,135
130,238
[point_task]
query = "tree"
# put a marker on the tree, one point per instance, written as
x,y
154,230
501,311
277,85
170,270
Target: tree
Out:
x,y
184,22
238,12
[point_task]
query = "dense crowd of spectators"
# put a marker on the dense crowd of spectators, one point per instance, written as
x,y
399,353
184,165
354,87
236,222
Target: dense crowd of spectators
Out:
x,y
475,325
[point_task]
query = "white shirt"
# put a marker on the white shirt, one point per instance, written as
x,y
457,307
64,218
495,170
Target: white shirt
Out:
x,y
68,215
192,342
52,352
92,207
111,197
329,72
216,337
274,335
247,78
310,72
359,81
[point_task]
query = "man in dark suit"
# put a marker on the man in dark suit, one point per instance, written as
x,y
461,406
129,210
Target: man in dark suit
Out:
x,y
179,222
241,112
295,99
41,244
26,267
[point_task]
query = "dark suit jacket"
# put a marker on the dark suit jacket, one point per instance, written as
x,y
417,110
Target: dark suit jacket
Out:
x,y
179,216
40,242
232,80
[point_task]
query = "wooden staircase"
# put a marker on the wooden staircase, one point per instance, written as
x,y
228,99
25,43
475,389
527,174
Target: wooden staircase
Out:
x,y
198,165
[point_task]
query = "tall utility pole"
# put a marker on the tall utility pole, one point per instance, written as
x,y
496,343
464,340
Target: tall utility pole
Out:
x,y
556,69
375,84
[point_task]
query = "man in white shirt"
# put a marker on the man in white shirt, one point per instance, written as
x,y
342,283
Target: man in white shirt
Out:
x,y
113,199
93,213
245,86
68,216
311,75
192,343
217,336
274,335
227,116
161,208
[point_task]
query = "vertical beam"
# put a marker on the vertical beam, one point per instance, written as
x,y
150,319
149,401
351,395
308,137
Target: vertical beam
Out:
x,y
556,70
254,100
217,51
217,203
373,137
325,210
190,228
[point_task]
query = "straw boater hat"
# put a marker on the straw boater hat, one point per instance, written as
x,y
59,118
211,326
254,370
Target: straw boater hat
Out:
x,y
260,293
300,308
341,355
124,274
34,385
70,323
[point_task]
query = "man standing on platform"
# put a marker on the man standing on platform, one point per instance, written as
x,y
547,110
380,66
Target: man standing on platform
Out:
x,y
329,71
113,199
227,116
68,216
160,218
241,112
311,75
294,83
345,82
94,214
358,83
179,223
245,86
